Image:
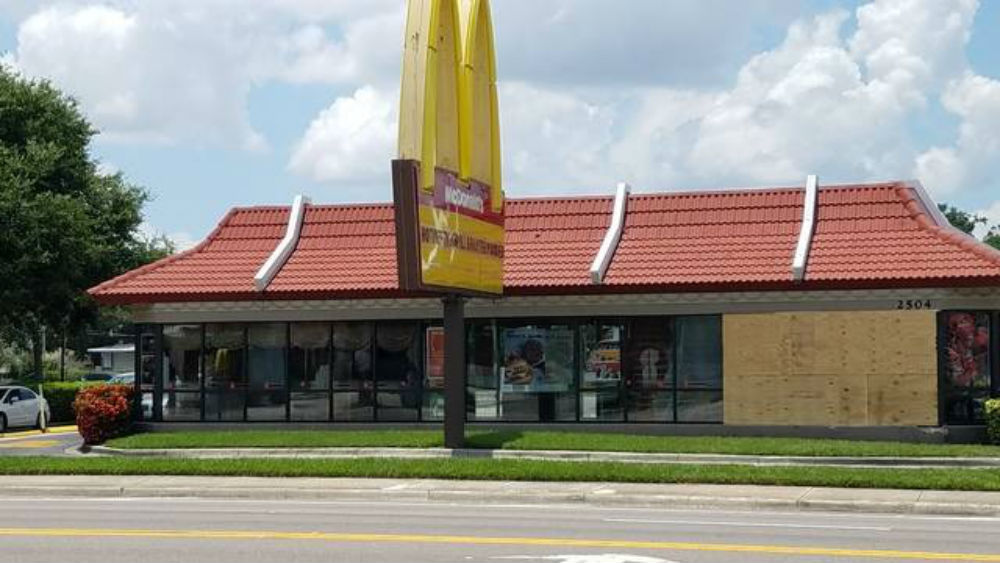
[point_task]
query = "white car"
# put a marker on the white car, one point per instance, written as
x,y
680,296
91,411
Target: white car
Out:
x,y
20,406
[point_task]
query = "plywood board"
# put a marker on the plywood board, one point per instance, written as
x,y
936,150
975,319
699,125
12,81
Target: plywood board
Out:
x,y
831,368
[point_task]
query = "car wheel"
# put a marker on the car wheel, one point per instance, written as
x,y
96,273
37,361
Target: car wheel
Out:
x,y
3,423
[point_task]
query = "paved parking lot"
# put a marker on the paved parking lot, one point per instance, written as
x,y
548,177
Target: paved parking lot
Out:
x,y
33,442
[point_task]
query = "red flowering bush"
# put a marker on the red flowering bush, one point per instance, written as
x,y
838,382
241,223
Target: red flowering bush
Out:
x,y
103,412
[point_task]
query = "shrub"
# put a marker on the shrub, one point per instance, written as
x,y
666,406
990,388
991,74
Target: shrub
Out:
x,y
103,412
993,420
60,397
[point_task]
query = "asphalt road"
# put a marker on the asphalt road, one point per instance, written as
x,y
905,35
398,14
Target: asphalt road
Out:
x,y
182,530
29,442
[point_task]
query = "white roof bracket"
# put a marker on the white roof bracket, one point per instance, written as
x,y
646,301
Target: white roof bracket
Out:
x,y
284,250
611,239
808,229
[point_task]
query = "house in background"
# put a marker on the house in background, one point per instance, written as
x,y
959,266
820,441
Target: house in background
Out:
x,y
114,359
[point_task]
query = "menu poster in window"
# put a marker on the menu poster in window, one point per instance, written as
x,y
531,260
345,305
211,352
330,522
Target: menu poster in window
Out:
x,y
434,357
537,360
603,362
968,350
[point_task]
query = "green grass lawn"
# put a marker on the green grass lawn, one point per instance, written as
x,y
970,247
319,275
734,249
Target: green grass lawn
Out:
x,y
542,440
514,470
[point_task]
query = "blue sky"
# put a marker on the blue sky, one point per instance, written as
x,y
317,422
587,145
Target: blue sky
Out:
x,y
215,103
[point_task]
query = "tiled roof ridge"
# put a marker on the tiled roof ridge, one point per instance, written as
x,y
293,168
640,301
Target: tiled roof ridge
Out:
x,y
168,259
951,235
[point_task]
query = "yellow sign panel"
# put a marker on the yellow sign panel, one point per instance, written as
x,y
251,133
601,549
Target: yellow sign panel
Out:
x,y
447,183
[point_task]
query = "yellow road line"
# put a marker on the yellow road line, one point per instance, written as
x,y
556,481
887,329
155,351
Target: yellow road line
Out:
x,y
29,444
52,430
477,540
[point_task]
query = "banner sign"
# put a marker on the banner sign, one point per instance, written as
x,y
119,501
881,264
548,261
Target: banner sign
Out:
x,y
446,180
434,357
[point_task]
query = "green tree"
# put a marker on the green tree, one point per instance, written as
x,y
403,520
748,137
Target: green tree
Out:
x,y
63,226
993,238
967,223
961,220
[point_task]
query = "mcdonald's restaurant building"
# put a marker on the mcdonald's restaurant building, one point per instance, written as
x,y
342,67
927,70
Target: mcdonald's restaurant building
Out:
x,y
781,309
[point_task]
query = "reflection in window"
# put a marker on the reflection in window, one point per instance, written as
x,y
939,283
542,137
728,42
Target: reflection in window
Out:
x,y
267,397
966,365
699,352
267,355
481,375
309,361
352,370
181,357
650,370
352,362
309,368
224,348
397,365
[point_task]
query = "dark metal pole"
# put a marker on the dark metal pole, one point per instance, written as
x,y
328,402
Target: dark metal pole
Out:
x,y
454,371
62,356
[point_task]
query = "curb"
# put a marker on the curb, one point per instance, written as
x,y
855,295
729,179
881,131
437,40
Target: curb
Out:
x,y
565,456
467,492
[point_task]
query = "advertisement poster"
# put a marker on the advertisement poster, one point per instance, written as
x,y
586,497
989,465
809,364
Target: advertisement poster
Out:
x,y
602,365
968,350
434,357
537,360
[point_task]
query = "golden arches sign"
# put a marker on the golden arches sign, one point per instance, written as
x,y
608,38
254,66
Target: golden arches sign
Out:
x,y
447,179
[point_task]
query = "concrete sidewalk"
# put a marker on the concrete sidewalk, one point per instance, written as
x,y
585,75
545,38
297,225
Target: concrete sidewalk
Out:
x,y
731,497
552,455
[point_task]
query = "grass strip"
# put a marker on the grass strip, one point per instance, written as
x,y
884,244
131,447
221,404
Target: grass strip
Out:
x,y
548,440
515,470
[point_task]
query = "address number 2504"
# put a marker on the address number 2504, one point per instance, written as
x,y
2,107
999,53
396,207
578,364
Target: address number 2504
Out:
x,y
914,304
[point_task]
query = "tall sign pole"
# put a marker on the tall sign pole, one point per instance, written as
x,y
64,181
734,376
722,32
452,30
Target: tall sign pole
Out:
x,y
446,177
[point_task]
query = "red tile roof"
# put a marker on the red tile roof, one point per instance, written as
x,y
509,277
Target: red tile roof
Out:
x,y
867,236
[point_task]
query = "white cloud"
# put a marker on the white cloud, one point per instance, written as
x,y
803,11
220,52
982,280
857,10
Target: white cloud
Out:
x,y
554,140
992,214
352,141
971,162
181,70
819,102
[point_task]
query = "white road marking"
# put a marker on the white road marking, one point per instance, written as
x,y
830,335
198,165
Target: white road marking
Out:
x,y
750,524
602,558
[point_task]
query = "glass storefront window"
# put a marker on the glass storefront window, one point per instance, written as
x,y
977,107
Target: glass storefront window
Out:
x,y
353,406
225,406
601,372
310,406
645,369
266,371
481,373
397,369
699,352
224,357
309,369
967,365
649,379
181,357
699,406
537,376
309,356
146,352
352,355
181,406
